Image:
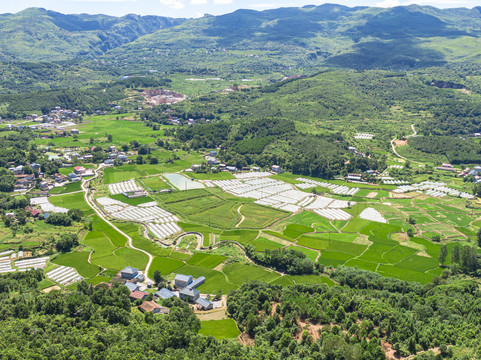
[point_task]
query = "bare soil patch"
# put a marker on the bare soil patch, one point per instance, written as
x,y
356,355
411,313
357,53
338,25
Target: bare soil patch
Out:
x,y
371,195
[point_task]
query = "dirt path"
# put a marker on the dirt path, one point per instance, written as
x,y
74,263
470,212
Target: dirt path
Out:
x,y
89,199
242,216
393,146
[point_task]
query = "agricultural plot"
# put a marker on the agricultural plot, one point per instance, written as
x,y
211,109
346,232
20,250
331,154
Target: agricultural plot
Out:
x,y
372,215
64,275
79,261
258,216
284,196
71,201
162,223
44,204
206,260
165,265
220,329
262,244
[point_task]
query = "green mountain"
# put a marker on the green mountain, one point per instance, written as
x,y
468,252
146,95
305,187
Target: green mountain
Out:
x,y
40,35
332,35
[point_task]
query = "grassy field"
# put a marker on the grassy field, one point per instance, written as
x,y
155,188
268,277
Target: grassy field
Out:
x,y
206,260
72,201
164,265
133,202
79,261
258,216
220,329
69,188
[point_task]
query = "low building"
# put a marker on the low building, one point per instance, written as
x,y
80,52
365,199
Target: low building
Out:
x,y
231,168
189,294
10,215
276,168
164,294
204,304
74,131
79,170
183,280
129,273
256,169
197,282
150,306
132,286
138,295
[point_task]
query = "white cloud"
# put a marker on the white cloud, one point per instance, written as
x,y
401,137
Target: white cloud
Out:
x,y
174,4
388,3
198,2
223,1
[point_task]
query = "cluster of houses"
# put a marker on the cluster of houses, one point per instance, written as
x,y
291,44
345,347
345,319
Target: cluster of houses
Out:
x,y
185,289
79,172
215,165
355,151
476,172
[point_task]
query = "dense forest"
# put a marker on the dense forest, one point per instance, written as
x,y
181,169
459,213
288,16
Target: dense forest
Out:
x,y
269,141
458,150
361,317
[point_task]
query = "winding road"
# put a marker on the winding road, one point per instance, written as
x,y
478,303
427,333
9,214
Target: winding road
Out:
x,y
394,146
89,199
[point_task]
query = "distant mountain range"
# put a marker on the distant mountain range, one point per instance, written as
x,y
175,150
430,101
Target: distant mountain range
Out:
x,y
333,35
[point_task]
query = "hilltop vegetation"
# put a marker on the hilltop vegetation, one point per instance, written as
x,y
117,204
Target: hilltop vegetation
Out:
x,y
41,35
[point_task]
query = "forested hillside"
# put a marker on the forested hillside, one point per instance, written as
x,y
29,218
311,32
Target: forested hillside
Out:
x,y
40,35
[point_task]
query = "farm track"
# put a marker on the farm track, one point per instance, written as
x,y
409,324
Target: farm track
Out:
x,y
242,216
89,199
399,155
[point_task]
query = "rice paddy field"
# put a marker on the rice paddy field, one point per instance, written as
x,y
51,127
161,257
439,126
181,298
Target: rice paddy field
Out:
x,y
224,219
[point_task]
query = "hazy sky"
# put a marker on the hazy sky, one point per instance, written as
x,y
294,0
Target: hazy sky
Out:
x,y
196,8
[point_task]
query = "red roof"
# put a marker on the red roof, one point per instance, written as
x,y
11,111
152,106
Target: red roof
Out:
x,y
36,212
149,306
139,295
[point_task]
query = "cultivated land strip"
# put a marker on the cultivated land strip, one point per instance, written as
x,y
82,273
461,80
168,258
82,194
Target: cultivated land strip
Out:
x,y
88,198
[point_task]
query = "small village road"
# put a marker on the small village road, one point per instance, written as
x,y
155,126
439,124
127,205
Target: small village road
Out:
x,y
90,202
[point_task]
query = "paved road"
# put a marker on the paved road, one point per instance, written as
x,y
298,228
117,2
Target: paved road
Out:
x,y
89,199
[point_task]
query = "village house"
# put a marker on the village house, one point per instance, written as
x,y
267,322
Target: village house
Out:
x,y
150,306
138,295
164,294
204,304
276,169
132,286
129,273
183,280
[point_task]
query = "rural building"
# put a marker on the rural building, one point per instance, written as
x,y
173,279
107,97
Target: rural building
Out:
x,y
79,170
183,280
197,282
256,169
231,168
138,295
164,294
189,294
75,131
10,215
276,168
132,286
150,306
204,304
129,273
446,167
